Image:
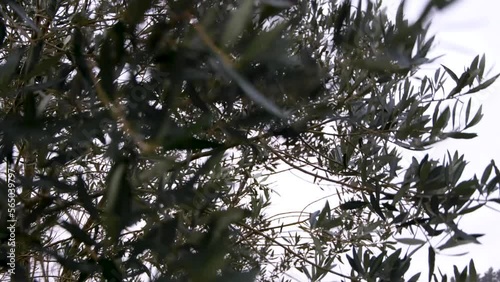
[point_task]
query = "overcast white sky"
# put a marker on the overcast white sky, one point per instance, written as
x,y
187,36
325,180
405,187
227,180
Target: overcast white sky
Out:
x,y
467,28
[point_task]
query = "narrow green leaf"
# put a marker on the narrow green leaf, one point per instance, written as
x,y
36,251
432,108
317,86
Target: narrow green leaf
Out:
x,y
455,241
85,198
486,173
454,113
461,135
467,111
482,66
463,275
115,182
436,113
389,207
431,260
355,262
442,121
474,64
425,169
492,185
22,14
483,85
436,76
375,203
118,212
451,73
472,272
410,241
476,119
497,171
415,277
469,210
239,19
456,273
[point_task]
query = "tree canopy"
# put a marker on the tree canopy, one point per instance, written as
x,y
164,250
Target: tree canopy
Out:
x,y
134,133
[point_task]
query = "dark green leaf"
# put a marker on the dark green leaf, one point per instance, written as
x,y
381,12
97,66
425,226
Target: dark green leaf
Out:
x,y
414,278
85,199
353,205
492,184
389,207
494,200
355,262
467,110
486,173
458,240
472,272
376,206
431,260
119,200
254,94
442,121
469,210
77,233
483,85
474,64
410,241
189,143
239,19
110,55
451,73
482,66
477,117
461,135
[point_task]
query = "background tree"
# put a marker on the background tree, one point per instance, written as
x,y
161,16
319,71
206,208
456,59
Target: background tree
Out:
x,y
488,276
136,131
